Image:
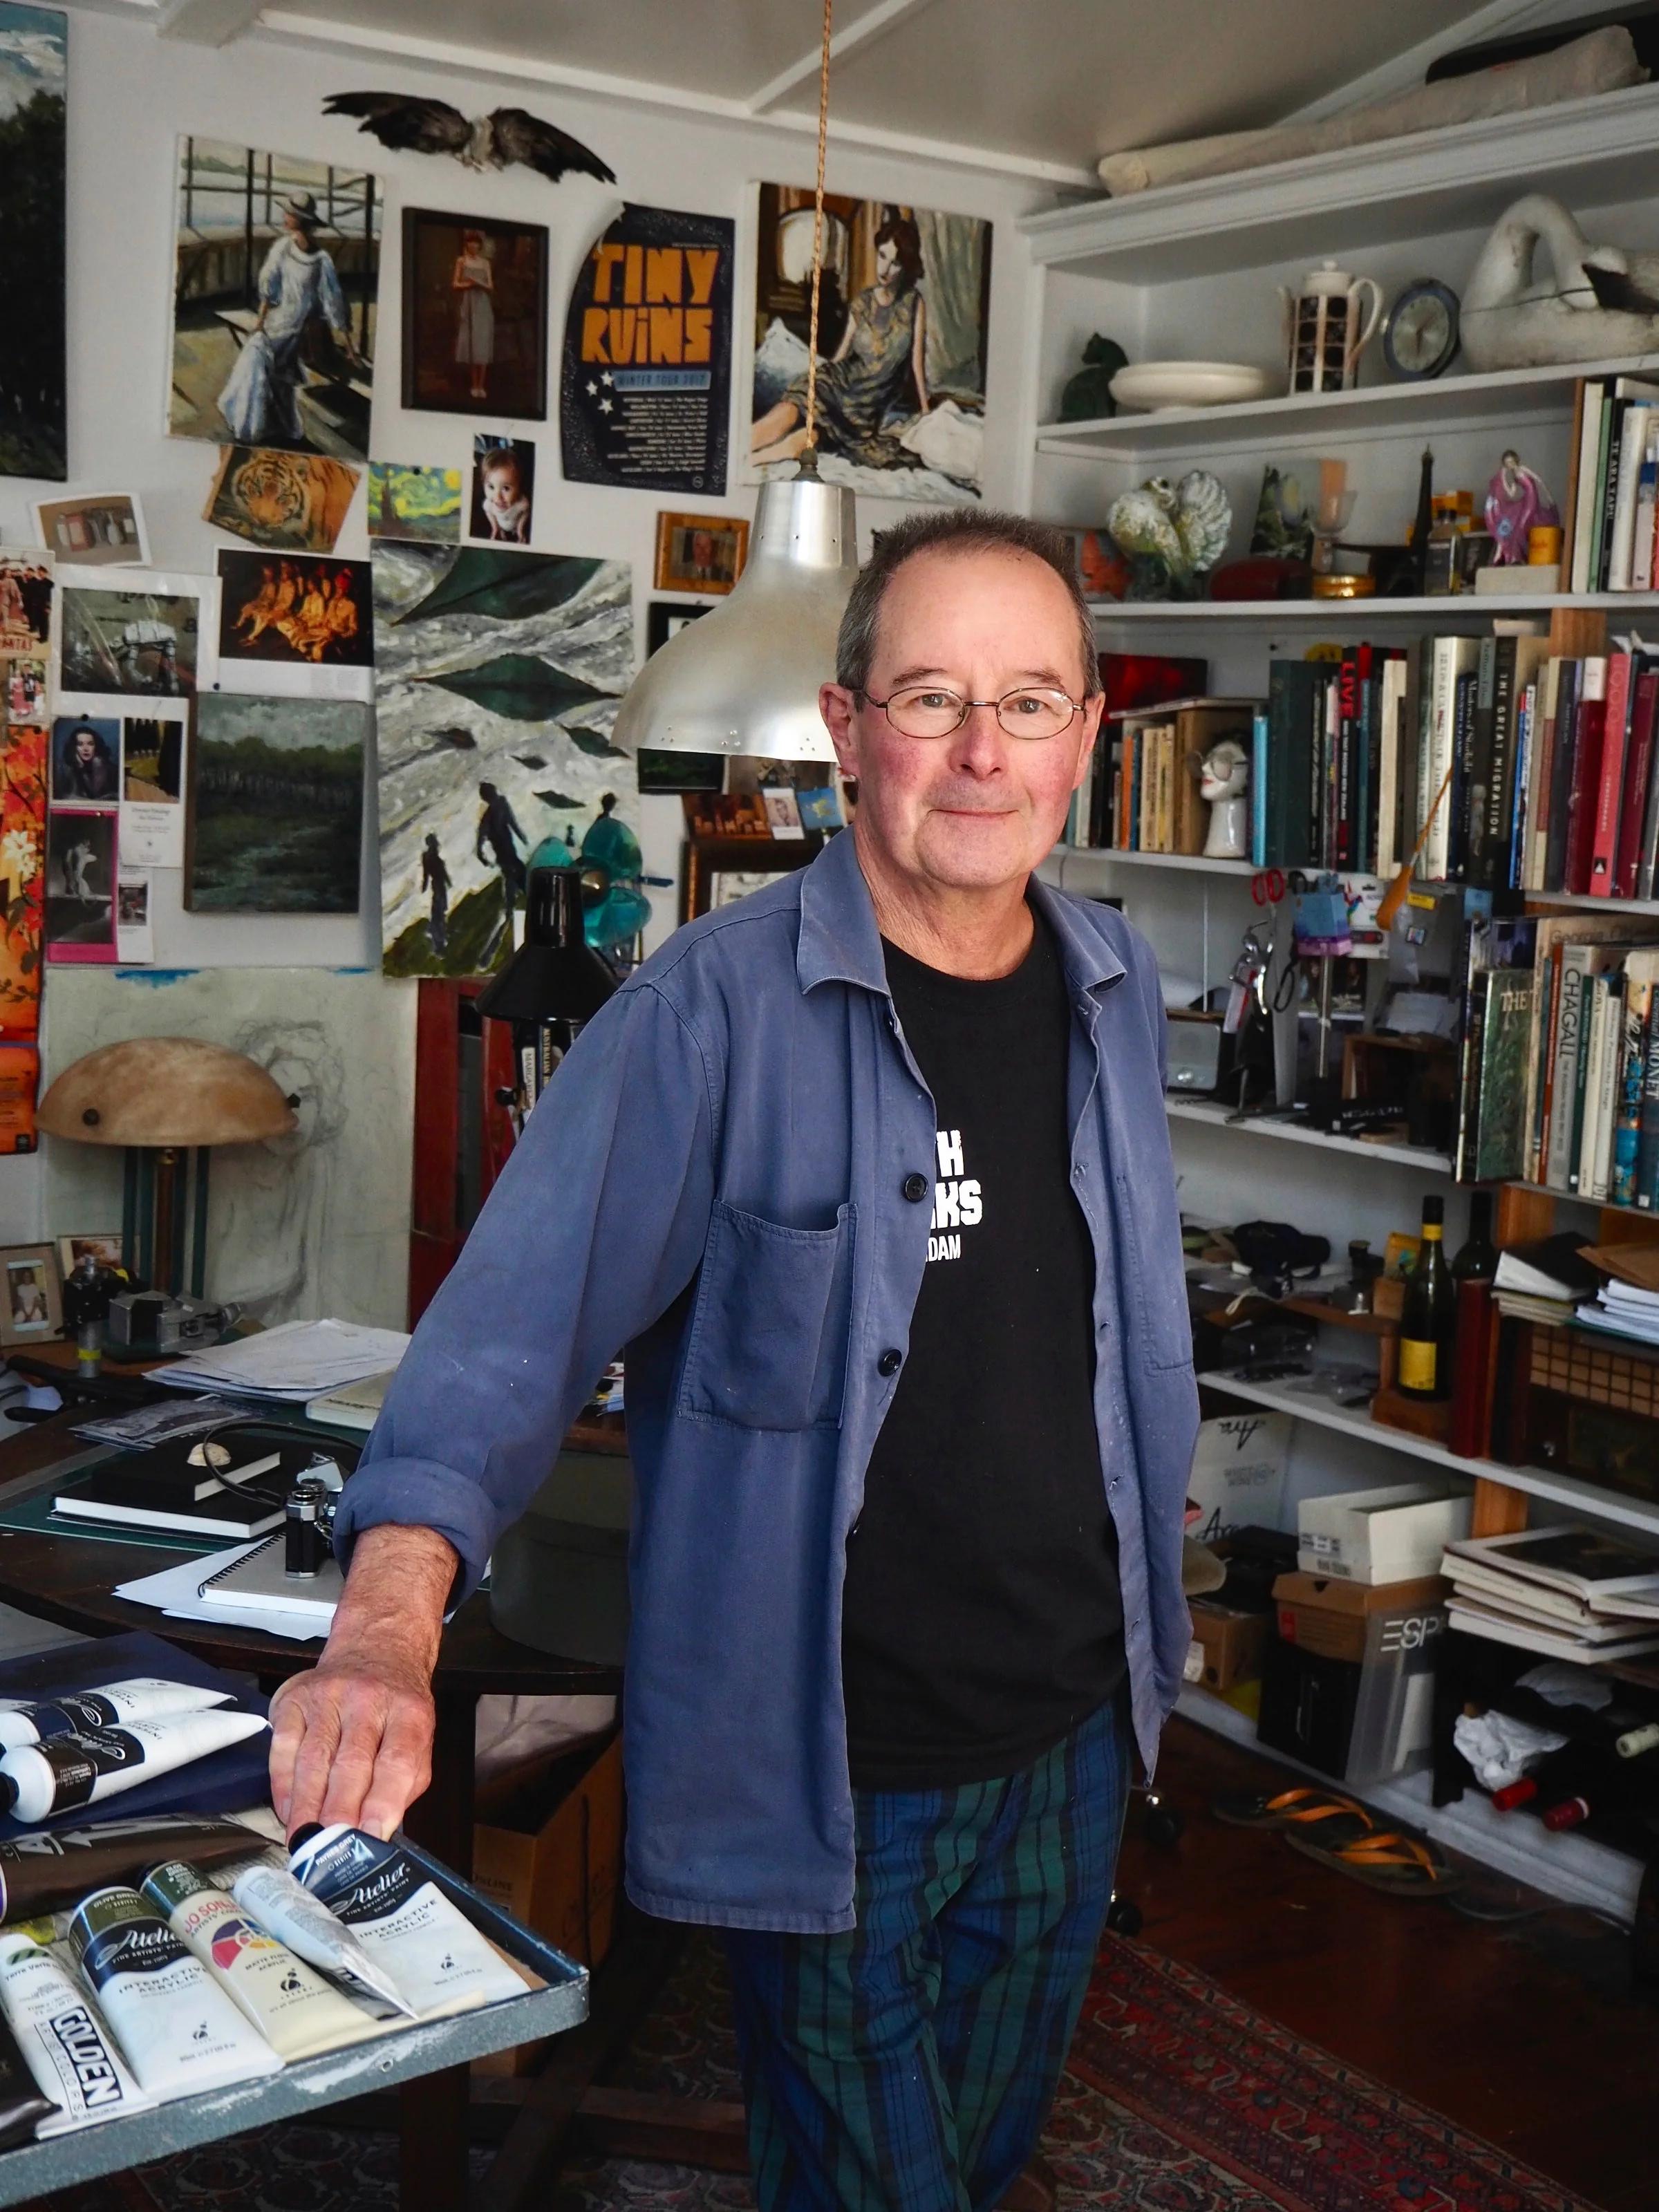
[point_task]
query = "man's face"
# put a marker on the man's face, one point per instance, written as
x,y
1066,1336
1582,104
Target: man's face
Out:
x,y
977,810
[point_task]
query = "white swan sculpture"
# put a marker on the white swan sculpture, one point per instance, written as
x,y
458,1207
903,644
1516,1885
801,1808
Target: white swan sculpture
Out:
x,y
1600,303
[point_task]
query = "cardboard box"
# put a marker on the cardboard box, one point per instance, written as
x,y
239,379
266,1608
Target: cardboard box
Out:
x,y
1334,1620
1228,1646
1348,1683
1394,1535
1237,1477
561,1877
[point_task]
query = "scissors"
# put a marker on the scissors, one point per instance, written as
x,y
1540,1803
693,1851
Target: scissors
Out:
x,y
1268,887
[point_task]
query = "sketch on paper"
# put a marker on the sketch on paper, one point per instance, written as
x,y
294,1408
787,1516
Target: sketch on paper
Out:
x,y
497,678
302,1226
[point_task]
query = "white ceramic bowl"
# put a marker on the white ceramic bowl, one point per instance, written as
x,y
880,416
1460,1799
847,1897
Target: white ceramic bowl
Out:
x,y
1156,384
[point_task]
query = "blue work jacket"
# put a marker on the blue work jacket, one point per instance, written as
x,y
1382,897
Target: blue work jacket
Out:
x,y
730,1175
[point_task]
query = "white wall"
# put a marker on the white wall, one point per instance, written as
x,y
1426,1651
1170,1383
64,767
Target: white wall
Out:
x,y
132,95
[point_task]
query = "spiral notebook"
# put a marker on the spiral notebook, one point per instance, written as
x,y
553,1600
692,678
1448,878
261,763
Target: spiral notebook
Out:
x,y
257,1584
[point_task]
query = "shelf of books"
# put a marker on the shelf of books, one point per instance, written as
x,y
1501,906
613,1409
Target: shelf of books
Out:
x,y
1544,1483
1464,607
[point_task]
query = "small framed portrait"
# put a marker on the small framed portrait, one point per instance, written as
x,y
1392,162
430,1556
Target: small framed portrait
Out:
x,y
30,1302
86,760
664,620
105,1247
720,869
700,552
100,530
503,490
475,315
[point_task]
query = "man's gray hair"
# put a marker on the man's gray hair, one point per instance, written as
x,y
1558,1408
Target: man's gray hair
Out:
x,y
954,530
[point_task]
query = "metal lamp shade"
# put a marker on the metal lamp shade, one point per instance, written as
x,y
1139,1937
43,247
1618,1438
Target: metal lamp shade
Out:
x,y
745,678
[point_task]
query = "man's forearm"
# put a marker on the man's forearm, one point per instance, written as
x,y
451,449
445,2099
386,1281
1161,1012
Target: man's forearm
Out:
x,y
395,1595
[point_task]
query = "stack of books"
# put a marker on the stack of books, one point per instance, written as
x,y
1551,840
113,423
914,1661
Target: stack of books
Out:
x,y
1573,1592
1610,523
1592,1114
1547,1281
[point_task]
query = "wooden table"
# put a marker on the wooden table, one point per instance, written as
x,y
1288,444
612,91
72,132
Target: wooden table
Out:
x,y
69,1580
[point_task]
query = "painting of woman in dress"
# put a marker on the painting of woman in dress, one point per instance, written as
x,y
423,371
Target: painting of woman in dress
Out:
x,y
475,314
299,289
902,331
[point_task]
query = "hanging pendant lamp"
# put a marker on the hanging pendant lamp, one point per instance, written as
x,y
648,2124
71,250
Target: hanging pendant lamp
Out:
x,y
745,678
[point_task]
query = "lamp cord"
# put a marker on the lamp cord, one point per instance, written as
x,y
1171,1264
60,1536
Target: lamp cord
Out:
x,y
817,235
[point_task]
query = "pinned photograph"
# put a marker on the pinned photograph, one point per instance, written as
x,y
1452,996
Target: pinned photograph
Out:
x,y
30,1306
903,318
34,148
295,502
700,552
25,603
152,788
24,693
295,609
80,886
144,642
22,880
135,937
503,489
475,316
86,761
424,504
100,530
276,807
276,271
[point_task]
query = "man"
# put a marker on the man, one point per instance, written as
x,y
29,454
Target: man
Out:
x,y
870,1174
498,827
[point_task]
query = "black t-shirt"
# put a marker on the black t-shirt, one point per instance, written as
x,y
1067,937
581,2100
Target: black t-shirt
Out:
x,y
983,1618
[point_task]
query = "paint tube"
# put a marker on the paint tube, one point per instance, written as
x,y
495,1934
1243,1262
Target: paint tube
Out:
x,y
286,1909
144,1697
296,2011
435,1956
66,2047
178,2030
58,1866
83,1768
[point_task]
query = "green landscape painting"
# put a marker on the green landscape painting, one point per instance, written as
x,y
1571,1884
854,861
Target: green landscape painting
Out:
x,y
277,805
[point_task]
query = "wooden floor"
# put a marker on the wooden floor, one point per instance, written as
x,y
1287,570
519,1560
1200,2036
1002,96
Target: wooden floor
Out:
x,y
1533,2038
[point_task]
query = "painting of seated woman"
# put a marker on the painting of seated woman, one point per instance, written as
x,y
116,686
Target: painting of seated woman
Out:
x,y
903,315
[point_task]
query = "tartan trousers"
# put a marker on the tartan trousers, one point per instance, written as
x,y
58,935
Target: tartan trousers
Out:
x,y
908,2065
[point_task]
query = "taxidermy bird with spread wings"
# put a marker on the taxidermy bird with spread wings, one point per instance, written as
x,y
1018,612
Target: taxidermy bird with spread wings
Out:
x,y
486,142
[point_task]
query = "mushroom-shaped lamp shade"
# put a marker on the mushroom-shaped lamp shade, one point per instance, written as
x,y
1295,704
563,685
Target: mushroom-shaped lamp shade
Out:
x,y
166,1092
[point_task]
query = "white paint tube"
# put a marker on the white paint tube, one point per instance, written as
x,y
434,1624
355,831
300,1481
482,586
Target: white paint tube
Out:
x,y
66,2047
178,2030
270,1895
88,1765
436,1956
143,1698
296,2011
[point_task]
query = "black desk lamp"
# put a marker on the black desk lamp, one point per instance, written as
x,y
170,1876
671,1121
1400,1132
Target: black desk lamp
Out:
x,y
553,983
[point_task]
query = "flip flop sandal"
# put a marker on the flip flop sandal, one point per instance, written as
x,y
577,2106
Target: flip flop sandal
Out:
x,y
1288,1809
1400,1865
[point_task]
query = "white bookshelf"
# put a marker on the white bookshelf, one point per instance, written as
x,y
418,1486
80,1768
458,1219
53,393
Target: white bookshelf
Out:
x,y
1450,611
1207,1113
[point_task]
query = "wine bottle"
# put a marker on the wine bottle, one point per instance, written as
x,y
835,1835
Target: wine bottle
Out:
x,y
1477,1256
1427,1316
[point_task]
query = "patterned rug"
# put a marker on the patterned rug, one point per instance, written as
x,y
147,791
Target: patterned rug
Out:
x,y
1176,2098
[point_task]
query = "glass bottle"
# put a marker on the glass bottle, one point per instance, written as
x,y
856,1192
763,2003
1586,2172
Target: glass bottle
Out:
x,y
1477,1256
1426,1321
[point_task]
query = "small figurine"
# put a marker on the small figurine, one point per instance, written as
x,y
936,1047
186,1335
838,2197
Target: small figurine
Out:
x,y
1221,777
1088,395
1173,534
1516,498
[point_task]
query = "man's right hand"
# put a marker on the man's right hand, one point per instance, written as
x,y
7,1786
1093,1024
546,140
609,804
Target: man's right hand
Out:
x,y
352,1739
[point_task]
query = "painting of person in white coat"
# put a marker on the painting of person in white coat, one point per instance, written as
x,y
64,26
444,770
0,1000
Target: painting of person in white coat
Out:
x,y
299,289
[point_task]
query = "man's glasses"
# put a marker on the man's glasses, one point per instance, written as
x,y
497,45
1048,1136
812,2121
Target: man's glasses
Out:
x,y
925,710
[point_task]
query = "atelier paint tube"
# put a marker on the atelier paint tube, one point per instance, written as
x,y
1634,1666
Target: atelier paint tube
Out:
x,y
144,1697
270,1895
58,1866
66,2047
436,1956
83,1768
178,2030
296,2011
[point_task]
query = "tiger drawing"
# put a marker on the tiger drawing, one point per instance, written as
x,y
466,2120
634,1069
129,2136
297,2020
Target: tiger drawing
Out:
x,y
279,498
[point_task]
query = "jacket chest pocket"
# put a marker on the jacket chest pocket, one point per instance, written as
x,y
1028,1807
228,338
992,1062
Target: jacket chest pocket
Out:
x,y
768,1342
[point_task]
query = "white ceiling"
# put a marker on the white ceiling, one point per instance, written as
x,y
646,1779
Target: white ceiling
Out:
x,y
1043,85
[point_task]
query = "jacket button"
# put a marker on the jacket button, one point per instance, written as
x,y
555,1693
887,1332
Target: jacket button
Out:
x,y
891,1361
915,1188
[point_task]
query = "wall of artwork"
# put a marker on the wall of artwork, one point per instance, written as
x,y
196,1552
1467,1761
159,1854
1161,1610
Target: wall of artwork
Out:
x,y
450,450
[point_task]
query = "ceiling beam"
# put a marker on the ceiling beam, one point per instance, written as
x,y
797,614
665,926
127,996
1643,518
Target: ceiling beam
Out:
x,y
874,24
1403,70
205,22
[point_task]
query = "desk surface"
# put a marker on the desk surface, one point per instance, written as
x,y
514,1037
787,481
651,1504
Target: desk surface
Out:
x,y
68,1579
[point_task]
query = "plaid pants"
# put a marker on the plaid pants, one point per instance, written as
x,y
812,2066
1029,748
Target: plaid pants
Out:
x,y
908,2065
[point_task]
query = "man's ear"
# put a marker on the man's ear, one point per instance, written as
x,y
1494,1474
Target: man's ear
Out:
x,y
839,708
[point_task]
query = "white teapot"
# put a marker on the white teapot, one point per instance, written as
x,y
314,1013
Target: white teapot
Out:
x,y
1327,328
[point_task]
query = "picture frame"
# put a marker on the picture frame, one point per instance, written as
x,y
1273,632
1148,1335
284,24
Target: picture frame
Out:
x,y
664,619
31,1294
699,553
476,315
105,1244
98,530
707,859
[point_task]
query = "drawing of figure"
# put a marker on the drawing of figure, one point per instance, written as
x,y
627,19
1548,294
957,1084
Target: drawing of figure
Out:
x,y
475,311
506,504
883,349
434,877
299,289
497,828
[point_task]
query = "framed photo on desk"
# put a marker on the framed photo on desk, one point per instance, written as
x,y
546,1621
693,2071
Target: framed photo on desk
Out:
x,y
31,1299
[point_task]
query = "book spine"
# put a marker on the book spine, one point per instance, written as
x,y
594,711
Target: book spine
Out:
x,y
1607,486
1621,537
1471,963
1387,765
1347,739
1628,1136
1591,999
1457,841
1615,722
1413,705
1638,778
1526,726
1647,1158
1607,1071
1540,767
1562,764
1333,768
1561,1158
1500,786
1647,491
1591,432
1258,733
1547,990
1586,776
1289,709
1569,511
1372,663
1478,763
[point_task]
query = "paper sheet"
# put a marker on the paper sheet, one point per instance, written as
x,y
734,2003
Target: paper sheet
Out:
x,y
298,1360
173,1592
